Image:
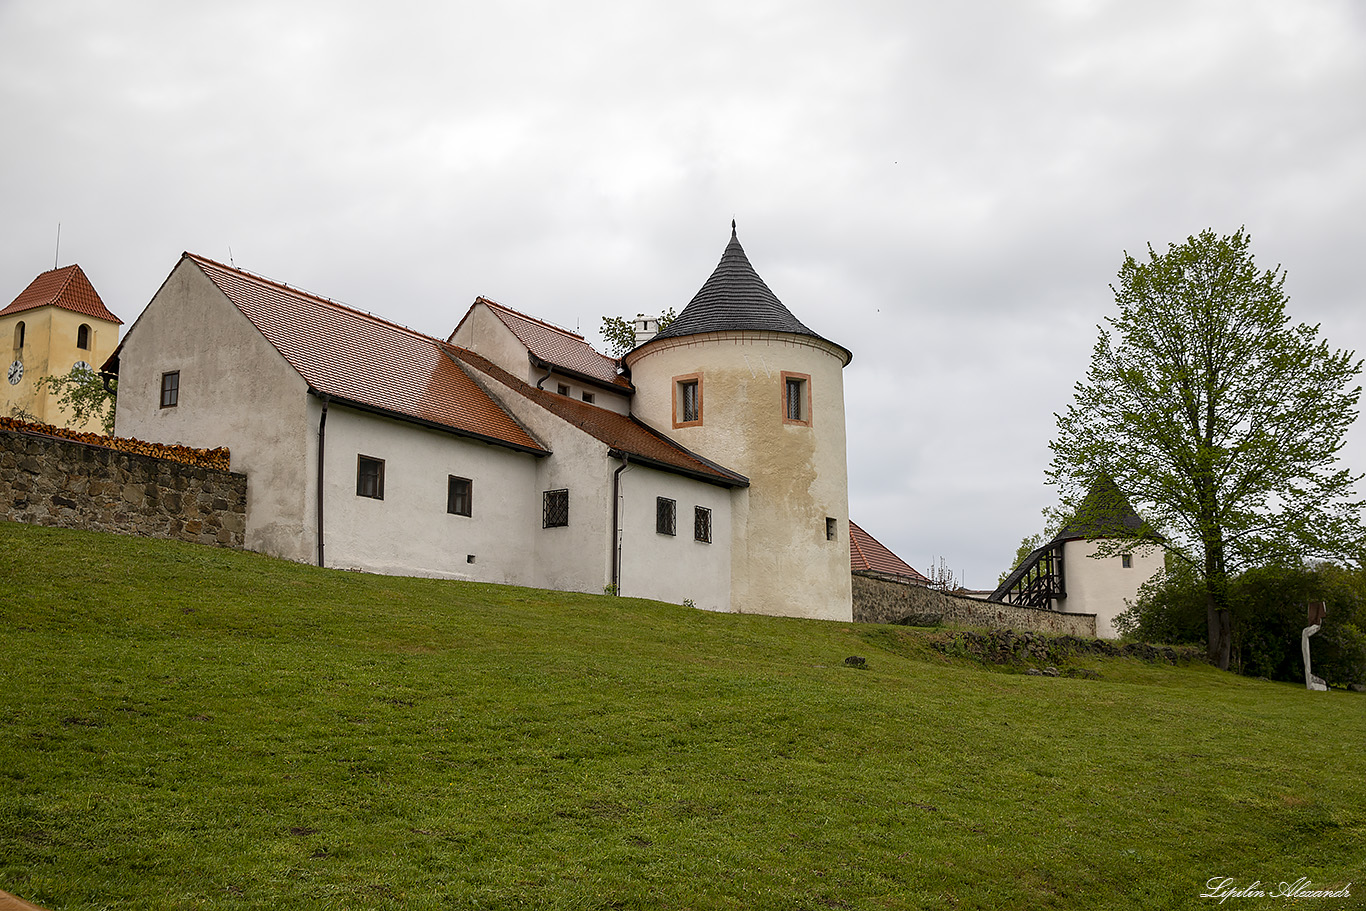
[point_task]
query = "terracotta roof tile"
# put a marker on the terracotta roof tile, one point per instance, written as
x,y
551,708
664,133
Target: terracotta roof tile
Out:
x,y
618,431
366,360
67,288
557,346
868,554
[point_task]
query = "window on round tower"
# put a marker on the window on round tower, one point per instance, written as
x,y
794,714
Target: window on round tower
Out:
x,y
796,398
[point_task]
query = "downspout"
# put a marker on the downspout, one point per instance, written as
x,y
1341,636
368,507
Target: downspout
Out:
x,y
549,369
616,525
322,446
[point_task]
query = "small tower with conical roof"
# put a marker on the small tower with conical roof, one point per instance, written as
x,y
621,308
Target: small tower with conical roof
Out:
x,y
56,323
738,379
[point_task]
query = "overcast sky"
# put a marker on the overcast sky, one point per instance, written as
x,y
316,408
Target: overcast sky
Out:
x,y
946,189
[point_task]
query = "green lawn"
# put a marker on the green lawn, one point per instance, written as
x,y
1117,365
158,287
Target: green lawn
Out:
x,y
184,727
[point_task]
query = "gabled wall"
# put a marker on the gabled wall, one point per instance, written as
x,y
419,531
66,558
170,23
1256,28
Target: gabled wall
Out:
x,y
235,390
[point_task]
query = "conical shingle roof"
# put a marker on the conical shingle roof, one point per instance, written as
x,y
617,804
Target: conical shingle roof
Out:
x,y
735,298
1105,513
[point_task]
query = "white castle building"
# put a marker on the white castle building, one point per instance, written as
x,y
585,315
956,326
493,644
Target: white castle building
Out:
x,y
707,466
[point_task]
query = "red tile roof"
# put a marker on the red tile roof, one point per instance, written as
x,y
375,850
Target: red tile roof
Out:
x,y
67,288
367,361
868,554
618,431
557,346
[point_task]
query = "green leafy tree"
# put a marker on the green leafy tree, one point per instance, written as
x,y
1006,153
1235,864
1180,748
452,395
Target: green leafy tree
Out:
x,y
85,395
620,333
1219,419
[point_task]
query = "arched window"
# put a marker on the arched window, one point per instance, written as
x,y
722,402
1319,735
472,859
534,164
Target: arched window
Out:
x,y
19,335
83,337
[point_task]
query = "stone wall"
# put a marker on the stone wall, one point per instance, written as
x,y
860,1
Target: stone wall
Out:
x,y
50,481
880,599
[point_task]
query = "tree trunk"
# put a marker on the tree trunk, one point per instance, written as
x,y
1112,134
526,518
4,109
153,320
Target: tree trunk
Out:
x,y
1217,615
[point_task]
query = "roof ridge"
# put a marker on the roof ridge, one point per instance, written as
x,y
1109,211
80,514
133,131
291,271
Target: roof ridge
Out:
x,y
313,296
494,305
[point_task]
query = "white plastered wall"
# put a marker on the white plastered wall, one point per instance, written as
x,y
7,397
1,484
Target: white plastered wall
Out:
x,y
1102,585
782,562
483,332
674,567
409,532
235,390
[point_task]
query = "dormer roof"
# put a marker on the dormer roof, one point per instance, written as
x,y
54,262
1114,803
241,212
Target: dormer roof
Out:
x,y
66,288
554,346
735,298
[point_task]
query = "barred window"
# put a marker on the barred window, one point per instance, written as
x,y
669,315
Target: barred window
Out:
x,y
687,400
170,389
666,516
796,398
555,513
369,477
459,496
831,528
701,524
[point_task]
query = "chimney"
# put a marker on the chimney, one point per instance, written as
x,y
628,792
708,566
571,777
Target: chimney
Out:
x,y
646,328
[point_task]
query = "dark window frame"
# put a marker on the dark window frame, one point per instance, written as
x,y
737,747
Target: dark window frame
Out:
x,y
170,389
832,528
19,330
459,502
666,516
589,397
555,508
701,524
369,477
83,336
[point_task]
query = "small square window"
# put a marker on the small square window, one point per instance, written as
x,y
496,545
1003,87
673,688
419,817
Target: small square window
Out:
x,y
563,389
796,399
832,528
588,397
687,409
555,512
369,477
701,524
170,389
459,496
666,516
1126,561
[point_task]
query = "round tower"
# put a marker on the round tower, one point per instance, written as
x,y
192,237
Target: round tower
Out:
x,y
739,380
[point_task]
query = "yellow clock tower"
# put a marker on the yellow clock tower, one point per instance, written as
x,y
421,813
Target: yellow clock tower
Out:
x,y
57,323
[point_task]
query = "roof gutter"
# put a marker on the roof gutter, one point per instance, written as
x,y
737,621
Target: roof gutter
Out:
x,y
431,425
730,483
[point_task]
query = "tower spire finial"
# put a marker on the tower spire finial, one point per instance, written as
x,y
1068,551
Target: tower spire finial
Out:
x,y
732,227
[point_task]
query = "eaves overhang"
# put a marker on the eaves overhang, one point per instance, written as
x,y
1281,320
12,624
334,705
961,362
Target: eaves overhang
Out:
x,y
430,425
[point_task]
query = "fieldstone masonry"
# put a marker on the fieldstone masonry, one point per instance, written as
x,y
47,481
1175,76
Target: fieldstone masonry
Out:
x,y
56,482
880,599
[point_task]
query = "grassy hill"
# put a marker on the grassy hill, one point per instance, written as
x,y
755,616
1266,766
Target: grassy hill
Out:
x,y
183,727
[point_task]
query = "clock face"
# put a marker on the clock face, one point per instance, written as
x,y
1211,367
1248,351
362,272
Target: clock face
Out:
x,y
16,373
82,365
